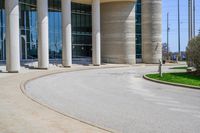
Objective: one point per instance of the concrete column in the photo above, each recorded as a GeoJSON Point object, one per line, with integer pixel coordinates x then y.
{"type": "Point", "coordinates": [96, 35]}
{"type": "Point", "coordinates": [118, 32]}
{"type": "Point", "coordinates": [66, 33]}
{"type": "Point", "coordinates": [12, 36]}
{"type": "Point", "coordinates": [43, 35]}
{"type": "Point", "coordinates": [151, 31]}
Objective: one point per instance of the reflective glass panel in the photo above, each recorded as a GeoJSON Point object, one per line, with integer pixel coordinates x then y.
{"type": "Point", "coordinates": [81, 30]}
{"type": "Point", "coordinates": [28, 29]}
{"type": "Point", "coordinates": [55, 29]}
{"type": "Point", "coordinates": [138, 30]}
{"type": "Point", "coordinates": [2, 31]}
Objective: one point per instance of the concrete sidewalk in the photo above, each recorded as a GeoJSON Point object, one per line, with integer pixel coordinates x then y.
{"type": "Point", "coordinates": [19, 114]}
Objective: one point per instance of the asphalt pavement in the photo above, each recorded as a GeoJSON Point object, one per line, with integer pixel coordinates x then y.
{"type": "Point", "coordinates": [119, 99]}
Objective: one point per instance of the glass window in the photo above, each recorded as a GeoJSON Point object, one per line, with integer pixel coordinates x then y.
{"type": "Point", "coordinates": [138, 29]}
{"type": "Point", "coordinates": [55, 29]}
{"type": "Point", "coordinates": [28, 29]}
{"type": "Point", "coordinates": [81, 30]}
{"type": "Point", "coordinates": [2, 31]}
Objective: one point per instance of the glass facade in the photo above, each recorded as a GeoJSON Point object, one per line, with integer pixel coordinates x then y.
{"type": "Point", "coordinates": [2, 31]}
{"type": "Point", "coordinates": [55, 29]}
{"type": "Point", "coordinates": [81, 30]}
{"type": "Point", "coordinates": [138, 29]}
{"type": "Point", "coordinates": [28, 29]}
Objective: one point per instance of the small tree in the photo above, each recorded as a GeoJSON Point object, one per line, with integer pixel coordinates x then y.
{"type": "Point", "coordinates": [193, 53]}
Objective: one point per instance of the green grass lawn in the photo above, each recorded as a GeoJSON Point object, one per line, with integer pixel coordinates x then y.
{"type": "Point", "coordinates": [181, 78]}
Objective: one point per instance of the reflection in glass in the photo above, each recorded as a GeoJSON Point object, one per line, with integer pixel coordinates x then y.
{"type": "Point", "coordinates": [55, 29]}
{"type": "Point", "coordinates": [138, 30]}
{"type": "Point", "coordinates": [81, 30]}
{"type": "Point", "coordinates": [28, 29]}
{"type": "Point", "coordinates": [2, 31]}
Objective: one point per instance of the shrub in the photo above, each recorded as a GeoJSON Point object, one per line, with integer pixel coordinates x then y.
{"type": "Point", "coordinates": [193, 53]}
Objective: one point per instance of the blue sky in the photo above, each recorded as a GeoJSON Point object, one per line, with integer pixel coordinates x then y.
{"type": "Point", "coordinates": [171, 7]}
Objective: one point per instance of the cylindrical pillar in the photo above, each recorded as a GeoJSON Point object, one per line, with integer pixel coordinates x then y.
{"type": "Point", "coordinates": [12, 36]}
{"type": "Point", "coordinates": [66, 34]}
{"type": "Point", "coordinates": [96, 35]}
{"type": "Point", "coordinates": [151, 31]}
{"type": "Point", "coordinates": [118, 32]}
{"type": "Point", "coordinates": [43, 35]}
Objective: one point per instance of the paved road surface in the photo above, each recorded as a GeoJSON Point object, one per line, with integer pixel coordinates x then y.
{"type": "Point", "coordinates": [121, 100]}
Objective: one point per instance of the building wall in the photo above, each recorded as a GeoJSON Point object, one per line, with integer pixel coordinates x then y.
{"type": "Point", "coordinates": [118, 32]}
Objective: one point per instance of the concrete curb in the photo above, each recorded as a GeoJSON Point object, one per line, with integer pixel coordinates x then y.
{"type": "Point", "coordinates": [170, 83]}
{"type": "Point", "coordinates": [23, 89]}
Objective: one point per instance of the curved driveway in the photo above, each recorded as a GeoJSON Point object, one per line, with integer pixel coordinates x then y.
{"type": "Point", "coordinates": [119, 99]}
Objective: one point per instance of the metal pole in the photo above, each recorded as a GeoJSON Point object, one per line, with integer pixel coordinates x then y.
{"type": "Point", "coordinates": [189, 20]}
{"type": "Point", "coordinates": [167, 33]}
{"type": "Point", "coordinates": [194, 17]}
{"type": "Point", "coordinates": [179, 34]}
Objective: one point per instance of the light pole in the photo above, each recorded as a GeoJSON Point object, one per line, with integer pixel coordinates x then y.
{"type": "Point", "coordinates": [168, 34]}
{"type": "Point", "coordinates": [189, 20]}
{"type": "Point", "coordinates": [168, 29]}
{"type": "Point", "coordinates": [194, 17]}
{"type": "Point", "coordinates": [179, 34]}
